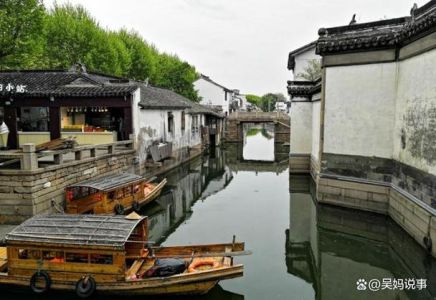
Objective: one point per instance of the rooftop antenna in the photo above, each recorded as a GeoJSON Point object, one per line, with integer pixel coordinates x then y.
{"type": "Point", "coordinates": [353, 20]}
{"type": "Point", "coordinates": [413, 9]}
{"type": "Point", "coordinates": [413, 12]}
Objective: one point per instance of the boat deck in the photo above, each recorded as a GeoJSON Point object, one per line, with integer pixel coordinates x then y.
{"type": "Point", "coordinates": [140, 266]}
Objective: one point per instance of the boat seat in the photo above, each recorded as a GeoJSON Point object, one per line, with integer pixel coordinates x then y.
{"type": "Point", "coordinates": [134, 268]}
{"type": "Point", "coordinates": [148, 263]}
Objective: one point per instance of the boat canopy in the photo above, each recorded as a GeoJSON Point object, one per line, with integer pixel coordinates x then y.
{"type": "Point", "coordinates": [78, 230]}
{"type": "Point", "coordinates": [111, 182]}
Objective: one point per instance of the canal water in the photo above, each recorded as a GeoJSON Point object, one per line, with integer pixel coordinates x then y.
{"type": "Point", "coordinates": [258, 142]}
{"type": "Point", "coordinates": [300, 250]}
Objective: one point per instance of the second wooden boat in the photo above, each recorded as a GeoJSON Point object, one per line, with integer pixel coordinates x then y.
{"type": "Point", "coordinates": [117, 194]}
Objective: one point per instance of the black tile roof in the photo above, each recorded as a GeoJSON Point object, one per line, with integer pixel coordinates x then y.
{"type": "Point", "coordinates": [207, 78]}
{"type": "Point", "coordinates": [157, 98]}
{"type": "Point", "coordinates": [60, 83]}
{"type": "Point", "coordinates": [357, 37]}
{"type": "Point", "coordinates": [79, 230]}
{"type": "Point", "coordinates": [63, 83]}
{"type": "Point", "coordinates": [111, 182]}
{"type": "Point", "coordinates": [201, 109]}
{"type": "Point", "coordinates": [384, 34]}
{"type": "Point", "coordinates": [304, 88]}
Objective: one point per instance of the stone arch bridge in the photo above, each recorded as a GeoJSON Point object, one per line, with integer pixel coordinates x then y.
{"type": "Point", "coordinates": [282, 125]}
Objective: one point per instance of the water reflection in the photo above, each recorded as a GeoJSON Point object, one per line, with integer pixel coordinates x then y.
{"type": "Point", "coordinates": [194, 181]}
{"type": "Point", "coordinates": [331, 248]}
{"type": "Point", "coordinates": [258, 141]}
{"type": "Point", "coordinates": [300, 250]}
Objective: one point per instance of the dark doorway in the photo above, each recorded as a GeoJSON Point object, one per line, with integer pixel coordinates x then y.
{"type": "Point", "coordinates": [212, 140]}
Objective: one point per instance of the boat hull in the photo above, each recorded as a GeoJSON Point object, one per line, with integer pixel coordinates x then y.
{"type": "Point", "coordinates": [183, 284]}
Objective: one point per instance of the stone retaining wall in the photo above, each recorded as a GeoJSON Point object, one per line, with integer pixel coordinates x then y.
{"type": "Point", "coordinates": [416, 218]}
{"type": "Point", "coordinates": [26, 193]}
{"type": "Point", "coordinates": [299, 163]}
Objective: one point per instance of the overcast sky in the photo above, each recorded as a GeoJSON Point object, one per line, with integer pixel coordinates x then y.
{"type": "Point", "coordinates": [242, 44]}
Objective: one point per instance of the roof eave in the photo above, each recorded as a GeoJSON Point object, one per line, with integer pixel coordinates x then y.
{"type": "Point", "coordinates": [178, 107]}
{"type": "Point", "coordinates": [67, 95]}
{"type": "Point", "coordinates": [66, 246]}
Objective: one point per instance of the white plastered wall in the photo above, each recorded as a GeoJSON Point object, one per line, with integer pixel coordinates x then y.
{"type": "Point", "coordinates": [316, 114]}
{"type": "Point", "coordinates": [151, 125]}
{"type": "Point", "coordinates": [301, 126]}
{"type": "Point", "coordinates": [302, 60]}
{"type": "Point", "coordinates": [416, 113]}
{"type": "Point", "coordinates": [212, 94]}
{"type": "Point", "coordinates": [195, 137]}
{"type": "Point", "coordinates": [360, 109]}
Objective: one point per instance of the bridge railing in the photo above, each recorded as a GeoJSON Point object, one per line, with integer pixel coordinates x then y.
{"type": "Point", "coordinates": [258, 115]}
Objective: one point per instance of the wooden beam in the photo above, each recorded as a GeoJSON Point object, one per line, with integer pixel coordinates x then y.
{"type": "Point", "coordinates": [55, 122]}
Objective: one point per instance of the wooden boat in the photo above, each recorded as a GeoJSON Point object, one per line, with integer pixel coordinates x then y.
{"type": "Point", "coordinates": [111, 194]}
{"type": "Point", "coordinates": [106, 254]}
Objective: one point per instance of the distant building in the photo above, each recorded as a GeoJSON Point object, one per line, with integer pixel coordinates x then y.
{"type": "Point", "coordinates": [366, 130]}
{"type": "Point", "coordinates": [214, 94]}
{"type": "Point", "coordinates": [252, 107]}
{"type": "Point", "coordinates": [239, 102]}
{"type": "Point", "coordinates": [39, 106]}
{"type": "Point", "coordinates": [281, 106]}
{"type": "Point", "coordinates": [304, 109]}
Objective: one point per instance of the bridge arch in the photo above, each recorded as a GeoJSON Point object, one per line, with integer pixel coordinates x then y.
{"type": "Point", "coordinates": [282, 128]}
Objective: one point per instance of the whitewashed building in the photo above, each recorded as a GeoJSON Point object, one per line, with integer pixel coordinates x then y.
{"type": "Point", "coordinates": [281, 106]}
{"type": "Point", "coordinates": [160, 117]}
{"type": "Point", "coordinates": [300, 58]}
{"type": "Point", "coordinates": [305, 98]}
{"type": "Point", "coordinates": [372, 142]}
{"type": "Point", "coordinates": [163, 116]}
{"type": "Point", "coordinates": [239, 102]}
{"type": "Point", "coordinates": [214, 94]}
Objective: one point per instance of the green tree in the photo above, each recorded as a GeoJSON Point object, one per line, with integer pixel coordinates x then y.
{"type": "Point", "coordinates": [143, 56]}
{"type": "Point", "coordinates": [312, 71]}
{"type": "Point", "coordinates": [268, 101]}
{"type": "Point", "coordinates": [176, 75]}
{"type": "Point", "coordinates": [253, 99]}
{"type": "Point", "coordinates": [252, 131]}
{"type": "Point", "coordinates": [68, 34]}
{"type": "Point", "coordinates": [110, 55]}
{"type": "Point", "coordinates": [21, 25]}
{"type": "Point", "coordinates": [72, 36]}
